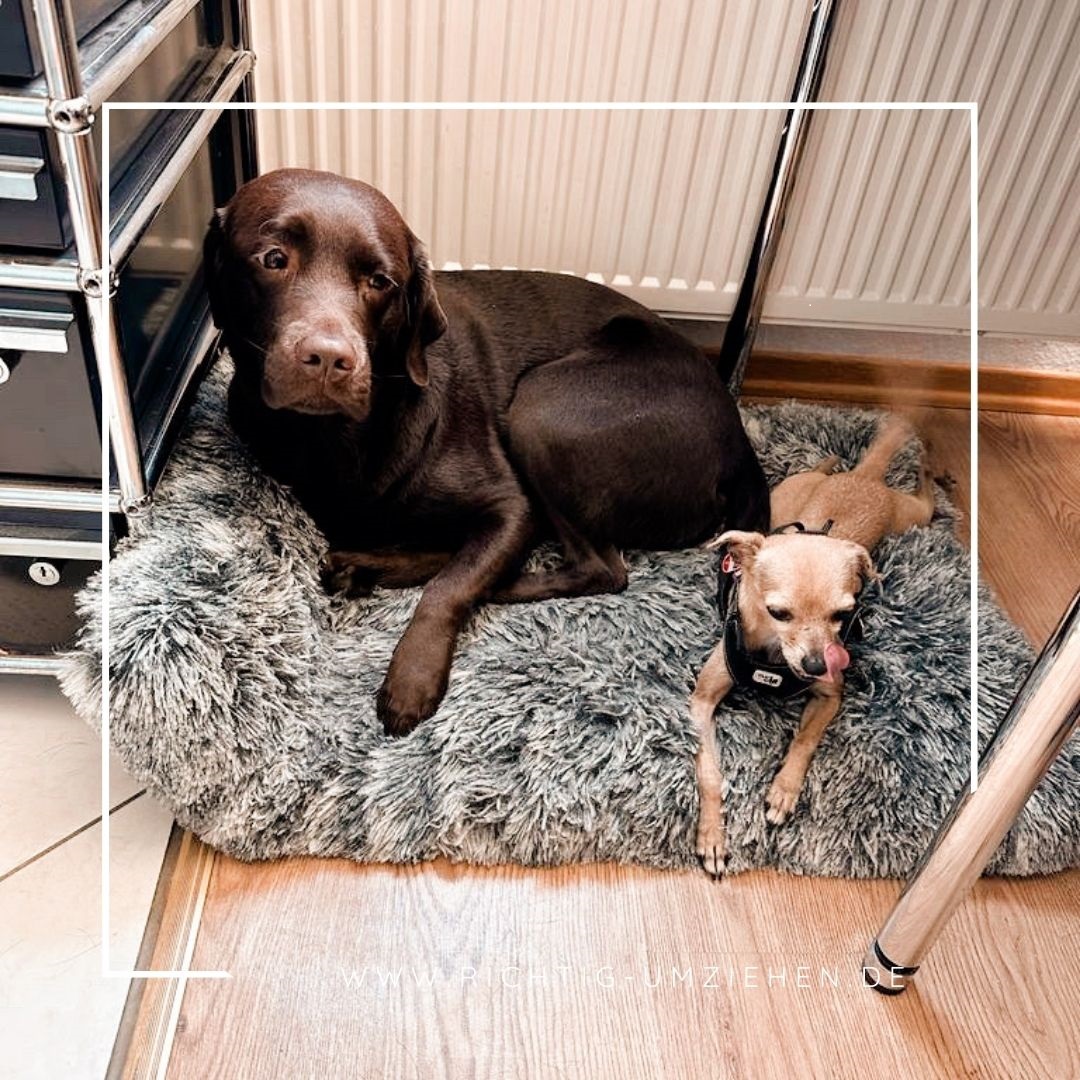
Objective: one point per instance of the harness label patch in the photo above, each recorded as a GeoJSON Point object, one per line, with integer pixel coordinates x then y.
{"type": "Point", "coordinates": [767, 678]}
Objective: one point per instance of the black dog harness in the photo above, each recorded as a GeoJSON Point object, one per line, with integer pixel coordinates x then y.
{"type": "Point", "coordinates": [753, 668]}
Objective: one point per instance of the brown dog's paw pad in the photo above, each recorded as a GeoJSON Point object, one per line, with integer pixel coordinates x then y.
{"type": "Point", "coordinates": [712, 850]}
{"type": "Point", "coordinates": [780, 801]}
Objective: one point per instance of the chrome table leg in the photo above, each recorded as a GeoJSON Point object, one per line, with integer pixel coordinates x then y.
{"type": "Point", "coordinates": [1040, 719]}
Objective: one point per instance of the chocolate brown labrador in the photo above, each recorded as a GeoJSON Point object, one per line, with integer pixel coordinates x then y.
{"type": "Point", "coordinates": [436, 426]}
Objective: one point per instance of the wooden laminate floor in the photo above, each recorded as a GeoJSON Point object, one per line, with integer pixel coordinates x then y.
{"type": "Point", "coordinates": [341, 970]}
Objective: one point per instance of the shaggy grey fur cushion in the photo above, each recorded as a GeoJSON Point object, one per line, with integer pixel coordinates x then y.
{"type": "Point", "coordinates": [243, 696]}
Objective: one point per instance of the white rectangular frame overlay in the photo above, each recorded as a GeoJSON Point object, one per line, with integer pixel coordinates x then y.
{"type": "Point", "coordinates": [108, 389]}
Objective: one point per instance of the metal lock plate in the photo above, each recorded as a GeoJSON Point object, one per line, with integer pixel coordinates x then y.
{"type": "Point", "coordinates": [44, 573]}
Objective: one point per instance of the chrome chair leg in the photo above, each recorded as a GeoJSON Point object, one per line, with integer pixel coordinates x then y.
{"type": "Point", "coordinates": [1042, 716]}
{"type": "Point", "coordinates": [743, 324]}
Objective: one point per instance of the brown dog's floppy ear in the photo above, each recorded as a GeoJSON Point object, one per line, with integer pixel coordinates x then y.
{"type": "Point", "coordinates": [742, 546]}
{"type": "Point", "coordinates": [213, 265]}
{"type": "Point", "coordinates": [427, 318]}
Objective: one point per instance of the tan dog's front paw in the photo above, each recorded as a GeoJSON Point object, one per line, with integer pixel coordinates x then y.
{"type": "Point", "coordinates": [712, 849]}
{"type": "Point", "coordinates": [781, 799]}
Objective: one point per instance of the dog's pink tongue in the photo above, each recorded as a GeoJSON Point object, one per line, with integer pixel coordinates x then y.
{"type": "Point", "coordinates": [836, 659]}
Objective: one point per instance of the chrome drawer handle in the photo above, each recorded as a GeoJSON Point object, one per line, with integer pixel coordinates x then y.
{"type": "Point", "coordinates": [34, 331]}
{"type": "Point", "coordinates": [33, 339]}
{"type": "Point", "coordinates": [18, 177]}
{"type": "Point", "coordinates": [34, 547]}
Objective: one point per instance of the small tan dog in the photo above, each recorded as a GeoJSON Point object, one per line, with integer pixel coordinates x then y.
{"type": "Point", "coordinates": [790, 600]}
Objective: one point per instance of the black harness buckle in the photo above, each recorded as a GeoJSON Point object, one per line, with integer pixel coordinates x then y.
{"type": "Point", "coordinates": [799, 527]}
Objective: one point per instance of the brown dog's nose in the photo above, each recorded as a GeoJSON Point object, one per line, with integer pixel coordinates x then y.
{"type": "Point", "coordinates": [327, 352]}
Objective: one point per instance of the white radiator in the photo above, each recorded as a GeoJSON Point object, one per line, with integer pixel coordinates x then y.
{"type": "Point", "coordinates": [879, 225]}
{"type": "Point", "coordinates": [663, 206]}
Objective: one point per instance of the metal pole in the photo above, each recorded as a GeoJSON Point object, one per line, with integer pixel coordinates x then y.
{"type": "Point", "coordinates": [71, 116]}
{"type": "Point", "coordinates": [50, 495]}
{"type": "Point", "coordinates": [743, 324]}
{"type": "Point", "coordinates": [1042, 716]}
{"type": "Point", "coordinates": [13, 664]}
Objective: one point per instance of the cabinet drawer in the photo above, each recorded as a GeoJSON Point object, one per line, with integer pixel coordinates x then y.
{"type": "Point", "coordinates": [33, 206]}
{"type": "Point", "coordinates": [49, 394]}
{"type": "Point", "coordinates": [42, 567]}
{"type": "Point", "coordinates": [33, 201]}
{"type": "Point", "coordinates": [20, 53]}
{"type": "Point", "coordinates": [37, 602]}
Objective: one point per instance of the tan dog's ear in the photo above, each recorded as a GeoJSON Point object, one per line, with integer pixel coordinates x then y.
{"type": "Point", "coordinates": [863, 564]}
{"type": "Point", "coordinates": [742, 546]}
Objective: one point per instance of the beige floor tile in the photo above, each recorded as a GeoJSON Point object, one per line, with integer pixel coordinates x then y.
{"type": "Point", "coordinates": [50, 773]}
{"type": "Point", "coordinates": [58, 1014]}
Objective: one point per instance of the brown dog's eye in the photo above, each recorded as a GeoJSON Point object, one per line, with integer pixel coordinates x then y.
{"type": "Point", "coordinates": [779, 614]}
{"type": "Point", "coordinates": [380, 282]}
{"type": "Point", "coordinates": [274, 259]}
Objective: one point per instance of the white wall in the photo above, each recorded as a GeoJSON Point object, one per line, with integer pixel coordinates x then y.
{"type": "Point", "coordinates": [664, 205]}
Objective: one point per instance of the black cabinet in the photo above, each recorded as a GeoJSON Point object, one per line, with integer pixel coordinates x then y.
{"type": "Point", "coordinates": [37, 599]}
{"type": "Point", "coordinates": [33, 206]}
{"type": "Point", "coordinates": [50, 401]}
{"type": "Point", "coordinates": [33, 202]}
{"type": "Point", "coordinates": [168, 168]}
{"type": "Point", "coordinates": [20, 50]}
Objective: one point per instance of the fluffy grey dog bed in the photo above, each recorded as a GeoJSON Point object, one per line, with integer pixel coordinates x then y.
{"type": "Point", "coordinates": [243, 695]}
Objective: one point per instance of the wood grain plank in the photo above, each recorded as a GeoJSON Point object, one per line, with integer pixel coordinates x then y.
{"type": "Point", "coordinates": [1029, 515]}
{"type": "Point", "coordinates": [612, 971]}
{"type": "Point", "coordinates": [1048, 393]}
{"type": "Point", "coordinates": [143, 1037]}
{"type": "Point", "coordinates": [363, 971]}
{"type": "Point", "coordinates": [858, 379]}
{"type": "Point", "coordinates": [905, 383]}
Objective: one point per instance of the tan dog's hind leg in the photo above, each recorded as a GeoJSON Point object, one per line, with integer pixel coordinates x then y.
{"type": "Point", "coordinates": [784, 791]}
{"type": "Point", "coordinates": [713, 684]}
{"type": "Point", "coordinates": [917, 509]}
{"type": "Point", "coordinates": [789, 498]}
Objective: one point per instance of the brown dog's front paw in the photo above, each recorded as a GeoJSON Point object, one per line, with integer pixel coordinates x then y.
{"type": "Point", "coordinates": [404, 700]}
{"type": "Point", "coordinates": [781, 800]}
{"type": "Point", "coordinates": [342, 573]}
{"type": "Point", "coordinates": [712, 849]}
